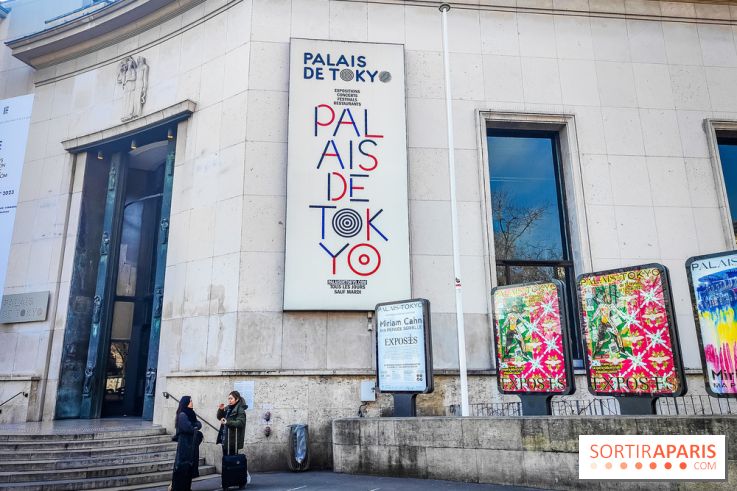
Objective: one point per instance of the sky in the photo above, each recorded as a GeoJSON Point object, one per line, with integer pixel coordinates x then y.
{"type": "Point", "coordinates": [524, 169]}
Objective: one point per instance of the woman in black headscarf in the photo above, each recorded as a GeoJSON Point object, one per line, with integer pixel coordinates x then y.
{"type": "Point", "coordinates": [188, 440]}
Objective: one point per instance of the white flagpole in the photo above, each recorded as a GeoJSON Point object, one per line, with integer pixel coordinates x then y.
{"type": "Point", "coordinates": [444, 8]}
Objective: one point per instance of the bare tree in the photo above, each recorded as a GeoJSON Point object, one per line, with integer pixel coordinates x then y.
{"type": "Point", "coordinates": [510, 225]}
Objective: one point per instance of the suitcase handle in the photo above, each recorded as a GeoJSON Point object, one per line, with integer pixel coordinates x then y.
{"type": "Point", "coordinates": [227, 431]}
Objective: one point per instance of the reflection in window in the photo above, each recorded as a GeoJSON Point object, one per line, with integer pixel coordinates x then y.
{"type": "Point", "coordinates": [528, 213]}
{"type": "Point", "coordinates": [130, 238]}
{"type": "Point", "coordinates": [728, 156]}
{"type": "Point", "coordinates": [524, 197]}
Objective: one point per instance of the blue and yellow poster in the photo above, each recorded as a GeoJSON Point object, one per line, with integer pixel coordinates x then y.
{"type": "Point", "coordinates": [713, 284]}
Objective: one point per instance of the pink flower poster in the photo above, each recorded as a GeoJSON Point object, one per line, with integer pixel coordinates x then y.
{"type": "Point", "coordinates": [631, 344]}
{"type": "Point", "coordinates": [530, 339]}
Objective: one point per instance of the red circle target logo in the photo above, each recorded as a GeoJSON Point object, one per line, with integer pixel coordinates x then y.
{"type": "Point", "coordinates": [366, 260]}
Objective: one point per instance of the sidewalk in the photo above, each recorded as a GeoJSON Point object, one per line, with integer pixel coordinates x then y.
{"type": "Point", "coordinates": [330, 481]}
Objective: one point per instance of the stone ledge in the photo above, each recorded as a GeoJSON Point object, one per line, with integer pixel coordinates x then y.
{"type": "Point", "coordinates": [174, 113]}
{"type": "Point", "coordinates": [275, 373]}
{"type": "Point", "coordinates": [19, 378]}
{"type": "Point", "coordinates": [531, 451]}
{"type": "Point", "coordinates": [96, 29]}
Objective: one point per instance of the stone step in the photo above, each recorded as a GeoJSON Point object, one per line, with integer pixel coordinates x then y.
{"type": "Point", "coordinates": [88, 473]}
{"type": "Point", "coordinates": [37, 464]}
{"type": "Point", "coordinates": [136, 481]}
{"type": "Point", "coordinates": [74, 453]}
{"type": "Point", "coordinates": [212, 482]}
{"type": "Point", "coordinates": [94, 435]}
{"type": "Point", "coordinates": [77, 444]}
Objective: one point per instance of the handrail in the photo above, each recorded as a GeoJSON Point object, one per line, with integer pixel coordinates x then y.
{"type": "Point", "coordinates": [25, 394]}
{"type": "Point", "coordinates": [168, 395]}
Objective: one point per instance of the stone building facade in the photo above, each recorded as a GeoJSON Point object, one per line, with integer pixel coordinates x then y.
{"type": "Point", "coordinates": [637, 91]}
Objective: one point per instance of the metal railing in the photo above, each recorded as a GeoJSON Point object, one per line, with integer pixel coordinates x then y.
{"type": "Point", "coordinates": [25, 394]}
{"type": "Point", "coordinates": [168, 395]}
{"type": "Point", "coordinates": [690, 405]}
{"type": "Point", "coordinates": [696, 405]}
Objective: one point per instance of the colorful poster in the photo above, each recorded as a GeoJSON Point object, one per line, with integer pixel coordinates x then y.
{"type": "Point", "coordinates": [531, 339]}
{"type": "Point", "coordinates": [630, 337]}
{"type": "Point", "coordinates": [403, 347]}
{"type": "Point", "coordinates": [347, 232]}
{"type": "Point", "coordinates": [713, 284]}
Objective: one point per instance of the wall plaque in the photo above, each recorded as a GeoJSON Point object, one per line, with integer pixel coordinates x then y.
{"type": "Point", "coordinates": [247, 389]}
{"type": "Point", "coordinates": [24, 307]}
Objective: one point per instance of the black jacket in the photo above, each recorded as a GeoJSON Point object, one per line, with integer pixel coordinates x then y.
{"type": "Point", "coordinates": [188, 441]}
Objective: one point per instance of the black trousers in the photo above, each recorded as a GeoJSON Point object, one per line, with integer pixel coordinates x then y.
{"type": "Point", "coordinates": [182, 478]}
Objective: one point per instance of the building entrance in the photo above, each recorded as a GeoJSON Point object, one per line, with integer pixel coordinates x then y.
{"type": "Point", "coordinates": [111, 340]}
{"type": "Point", "coordinates": [132, 301]}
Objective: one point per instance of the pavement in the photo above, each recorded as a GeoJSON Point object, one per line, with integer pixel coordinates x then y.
{"type": "Point", "coordinates": [330, 481]}
{"type": "Point", "coordinates": [262, 481]}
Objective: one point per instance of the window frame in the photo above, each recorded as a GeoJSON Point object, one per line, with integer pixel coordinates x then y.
{"type": "Point", "coordinates": [560, 189]}
{"type": "Point", "coordinates": [718, 129]}
{"type": "Point", "coordinates": [571, 193]}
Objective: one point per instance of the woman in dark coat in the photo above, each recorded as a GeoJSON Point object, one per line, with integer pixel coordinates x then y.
{"type": "Point", "coordinates": [188, 440]}
{"type": "Point", "coordinates": [232, 423]}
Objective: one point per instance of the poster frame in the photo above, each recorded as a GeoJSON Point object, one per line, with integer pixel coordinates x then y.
{"type": "Point", "coordinates": [429, 382]}
{"type": "Point", "coordinates": [695, 313]}
{"type": "Point", "coordinates": [672, 329]}
{"type": "Point", "coordinates": [565, 334]}
{"type": "Point", "coordinates": [324, 305]}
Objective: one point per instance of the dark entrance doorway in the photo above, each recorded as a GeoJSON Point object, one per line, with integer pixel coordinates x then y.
{"type": "Point", "coordinates": [111, 341]}
{"type": "Point", "coordinates": [132, 302]}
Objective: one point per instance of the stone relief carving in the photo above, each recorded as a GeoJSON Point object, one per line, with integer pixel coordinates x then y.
{"type": "Point", "coordinates": [133, 77]}
{"type": "Point", "coordinates": [89, 372]}
{"type": "Point", "coordinates": [150, 382]}
{"type": "Point", "coordinates": [105, 246]}
{"type": "Point", "coordinates": [97, 310]}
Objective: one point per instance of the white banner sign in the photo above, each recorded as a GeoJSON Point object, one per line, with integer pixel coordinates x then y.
{"type": "Point", "coordinates": [401, 346]}
{"type": "Point", "coordinates": [347, 237]}
{"type": "Point", "coordinates": [15, 119]}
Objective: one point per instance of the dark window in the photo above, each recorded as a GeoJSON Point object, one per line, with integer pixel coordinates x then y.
{"type": "Point", "coordinates": [528, 213]}
{"type": "Point", "coordinates": [728, 156]}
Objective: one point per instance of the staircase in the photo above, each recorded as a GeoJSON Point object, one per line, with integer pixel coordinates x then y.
{"type": "Point", "coordinates": [136, 458]}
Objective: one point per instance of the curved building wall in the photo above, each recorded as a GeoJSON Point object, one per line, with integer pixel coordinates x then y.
{"type": "Point", "coordinates": [638, 80]}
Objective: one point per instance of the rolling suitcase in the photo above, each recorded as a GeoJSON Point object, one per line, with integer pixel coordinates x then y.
{"type": "Point", "coordinates": [235, 467]}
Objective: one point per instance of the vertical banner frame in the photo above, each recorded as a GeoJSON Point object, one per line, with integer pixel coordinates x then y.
{"type": "Point", "coordinates": [347, 217]}
{"type": "Point", "coordinates": [697, 317]}
{"type": "Point", "coordinates": [564, 333]}
{"type": "Point", "coordinates": [672, 330]}
{"type": "Point", "coordinates": [15, 124]}
{"type": "Point", "coordinates": [429, 381]}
